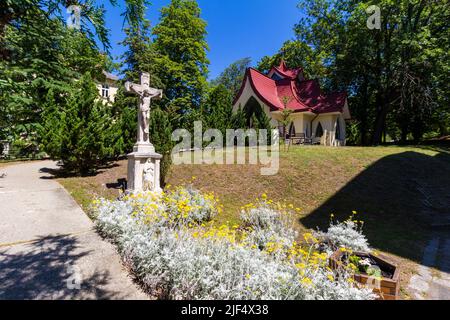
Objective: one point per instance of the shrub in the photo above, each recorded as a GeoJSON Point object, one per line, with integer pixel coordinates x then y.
{"type": "Point", "coordinates": [80, 129]}
{"type": "Point", "coordinates": [268, 224]}
{"type": "Point", "coordinates": [347, 234]}
{"type": "Point", "coordinates": [188, 258]}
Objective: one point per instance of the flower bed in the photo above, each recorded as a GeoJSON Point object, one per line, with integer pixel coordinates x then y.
{"type": "Point", "coordinates": [172, 246]}
{"type": "Point", "coordinates": [370, 270]}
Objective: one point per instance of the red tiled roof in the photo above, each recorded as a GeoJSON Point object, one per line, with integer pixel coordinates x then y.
{"type": "Point", "coordinates": [301, 96]}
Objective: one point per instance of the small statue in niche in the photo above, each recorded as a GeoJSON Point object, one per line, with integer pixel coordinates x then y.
{"type": "Point", "coordinates": [148, 176]}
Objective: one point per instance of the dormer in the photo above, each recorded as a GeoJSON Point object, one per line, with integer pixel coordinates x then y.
{"type": "Point", "coordinates": [283, 72]}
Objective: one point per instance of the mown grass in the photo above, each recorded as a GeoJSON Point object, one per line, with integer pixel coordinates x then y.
{"type": "Point", "coordinates": [380, 183]}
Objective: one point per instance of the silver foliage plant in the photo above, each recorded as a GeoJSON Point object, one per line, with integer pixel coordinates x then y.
{"type": "Point", "coordinates": [268, 225]}
{"type": "Point", "coordinates": [172, 264]}
{"type": "Point", "coordinates": [345, 234]}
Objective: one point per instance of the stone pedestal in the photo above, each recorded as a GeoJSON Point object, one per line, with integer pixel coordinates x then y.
{"type": "Point", "coordinates": [144, 169]}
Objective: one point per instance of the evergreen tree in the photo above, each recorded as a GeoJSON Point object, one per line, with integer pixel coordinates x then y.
{"type": "Point", "coordinates": [161, 137]}
{"type": "Point", "coordinates": [218, 109]}
{"type": "Point", "coordinates": [80, 130]}
{"type": "Point", "coordinates": [238, 119]}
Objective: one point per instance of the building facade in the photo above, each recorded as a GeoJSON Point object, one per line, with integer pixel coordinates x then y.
{"type": "Point", "coordinates": [107, 89]}
{"type": "Point", "coordinates": [321, 117]}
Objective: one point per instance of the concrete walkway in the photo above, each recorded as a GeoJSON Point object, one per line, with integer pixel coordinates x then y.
{"type": "Point", "coordinates": [48, 248]}
{"type": "Point", "coordinates": [432, 281]}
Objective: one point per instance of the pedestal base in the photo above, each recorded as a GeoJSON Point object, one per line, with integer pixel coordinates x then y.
{"type": "Point", "coordinates": [143, 171]}
{"type": "Point", "coordinates": [144, 147]}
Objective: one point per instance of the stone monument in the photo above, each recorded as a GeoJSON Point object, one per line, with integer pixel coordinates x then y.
{"type": "Point", "coordinates": [144, 162]}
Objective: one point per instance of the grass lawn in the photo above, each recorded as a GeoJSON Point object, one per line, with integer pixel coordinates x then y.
{"type": "Point", "coordinates": [380, 183]}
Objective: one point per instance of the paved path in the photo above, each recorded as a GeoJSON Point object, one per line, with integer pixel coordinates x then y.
{"type": "Point", "coordinates": [48, 248]}
{"type": "Point", "coordinates": [432, 281]}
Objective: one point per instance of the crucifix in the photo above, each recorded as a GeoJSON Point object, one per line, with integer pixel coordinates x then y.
{"type": "Point", "coordinates": [143, 162]}
{"type": "Point", "coordinates": [146, 94]}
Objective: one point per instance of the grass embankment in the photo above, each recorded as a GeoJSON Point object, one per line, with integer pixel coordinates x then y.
{"type": "Point", "coordinates": [381, 184]}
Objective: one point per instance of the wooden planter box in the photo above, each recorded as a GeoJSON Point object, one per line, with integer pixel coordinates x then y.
{"type": "Point", "coordinates": [388, 287]}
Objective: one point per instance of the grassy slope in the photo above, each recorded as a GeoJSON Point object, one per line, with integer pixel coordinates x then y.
{"type": "Point", "coordinates": [380, 183]}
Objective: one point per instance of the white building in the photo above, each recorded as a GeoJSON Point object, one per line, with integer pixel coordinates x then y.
{"type": "Point", "coordinates": [317, 116]}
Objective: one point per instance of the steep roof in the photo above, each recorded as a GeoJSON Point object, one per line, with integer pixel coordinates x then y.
{"type": "Point", "coordinates": [285, 72]}
{"type": "Point", "coordinates": [297, 95]}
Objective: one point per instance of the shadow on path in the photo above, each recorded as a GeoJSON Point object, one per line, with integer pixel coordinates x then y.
{"type": "Point", "coordinates": [43, 269]}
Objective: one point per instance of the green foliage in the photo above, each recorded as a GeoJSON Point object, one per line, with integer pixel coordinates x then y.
{"type": "Point", "coordinates": [286, 119]}
{"type": "Point", "coordinates": [233, 75]}
{"type": "Point", "coordinates": [218, 109]}
{"type": "Point", "coordinates": [161, 137]}
{"type": "Point", "coordinates": [238, 119]}
{"type": "Point", "coordinates": [79, 128]}
{"type": "Point", "coordinates": [125, 107]}
{"type": "Point", "coordinates": [180, 61]}
{"type": "Point", "coordinates": [42, 56]}
{"type": "Point", "coordinates": [395, 76]}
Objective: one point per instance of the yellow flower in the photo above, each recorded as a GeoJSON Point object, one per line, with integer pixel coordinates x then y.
{"type": "Point", "coordinates": [330, 277]}
{"type": "Point", "coordinates": [247, 276]}
{"type": "Point", "coordinates": [307, 281]}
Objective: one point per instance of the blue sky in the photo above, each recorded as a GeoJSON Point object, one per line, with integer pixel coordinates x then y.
{"type": "Point", "coordinates": [236, 28]}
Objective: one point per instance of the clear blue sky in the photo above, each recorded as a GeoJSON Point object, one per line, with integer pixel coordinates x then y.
{"type": "Point", "coordinates": [236, 28]}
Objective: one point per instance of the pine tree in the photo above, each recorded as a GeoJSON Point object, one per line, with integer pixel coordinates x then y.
{"type": "Point", "coordinates": [160, 135]}
{"type": "Point", "coordinates": [81, 132]}
{"type": "Point", "coordinates": [218, 109]}
{"type": "Point", "coordinates": [238, 119]}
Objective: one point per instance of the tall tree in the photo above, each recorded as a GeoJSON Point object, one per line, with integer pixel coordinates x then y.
{"type": "Point", "coordinates": [181, 62]}
{"type": "Point", "coordinates": [218, 109]}
{"type": "Point", "coordinates": [233, 75]}
{"type": "Point", "coordinates": [393, 74]}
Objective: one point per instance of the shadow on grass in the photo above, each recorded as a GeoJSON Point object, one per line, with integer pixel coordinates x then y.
{"type": "Point", "coordinates": [41, 270]}
{"type": "Point", "coordinates": [62, 173]}
{"type": "Point", "coordinates": [390, 197]}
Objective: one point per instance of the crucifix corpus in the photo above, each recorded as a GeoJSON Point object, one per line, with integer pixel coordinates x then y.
{"type": "Point", "coordinates": [143, 162]}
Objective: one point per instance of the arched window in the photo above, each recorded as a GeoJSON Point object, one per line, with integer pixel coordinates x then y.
{"type": "Point", "coordinates": [292, 130]}
{"type": "Point", "coordinates": [319, 130]}
{"type": "Point", "coordinates": [338, 130]}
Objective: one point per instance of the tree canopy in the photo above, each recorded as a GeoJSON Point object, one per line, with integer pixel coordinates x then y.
{"type": "Point", "coordinates": [394, 75]}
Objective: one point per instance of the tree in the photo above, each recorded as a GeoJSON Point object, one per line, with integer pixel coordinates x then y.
{"type": "Point", "coordinates": [238, 120]}
{"type": "Point", "coordinates": [286, 120]}
{"type": "Point", "coordinates": [79, 129]}
{"type": "Point", "coordinates": [40, 55]}
{"type": "Point", "coordinates": [43, 55]}
{"type": "Point", "coordinates": [233, 75]}
{"type": "Point", "coordinates": [218, 109]}
{"type": "Point", "coordinates": [394, 75]}
{"type": "Point", "coordinates": [180, 60]}
{"type": "Point", "coordinates": [161, 137]}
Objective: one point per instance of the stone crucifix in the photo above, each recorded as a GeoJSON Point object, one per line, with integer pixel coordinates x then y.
{"type": "Point", "coordinates": [143, 162]}
{"type": "Point", "coordinates": [146, 94]}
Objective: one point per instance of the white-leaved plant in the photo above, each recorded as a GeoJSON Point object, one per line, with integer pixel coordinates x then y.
{"type": "Point", "coordinates": [346, 234]}
{"type": "Point", "coordinates": [172, 263]}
